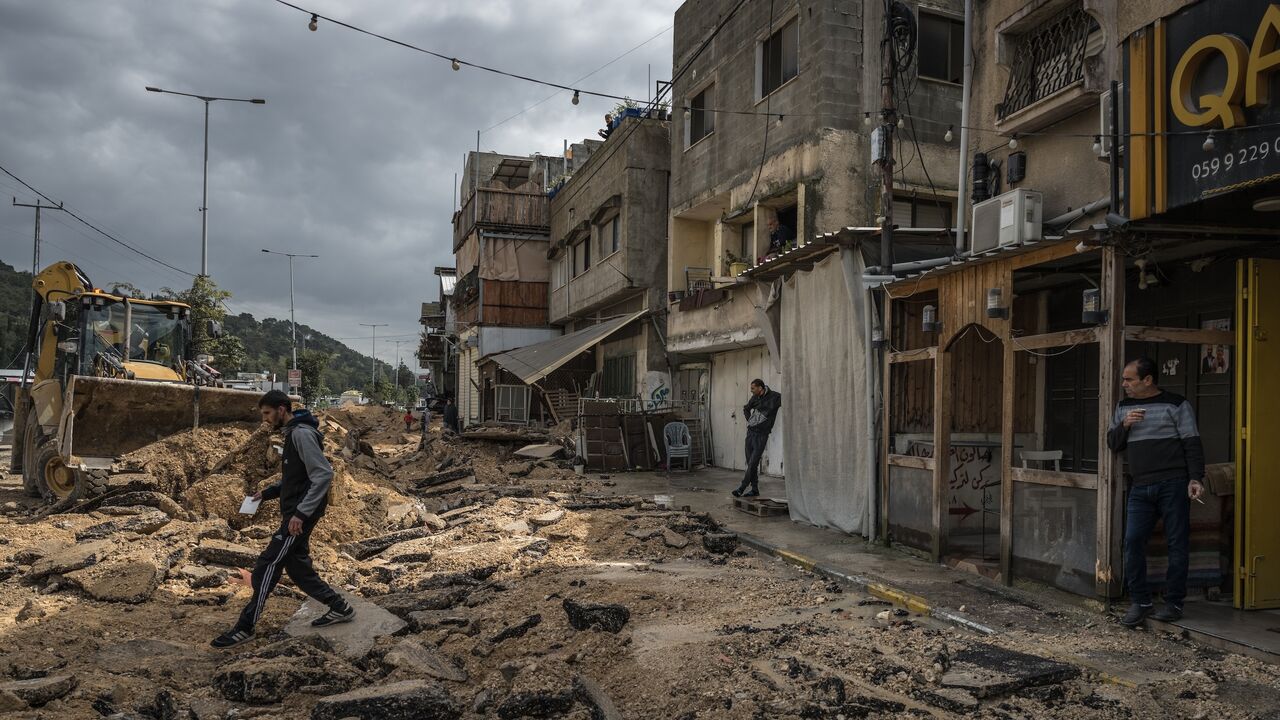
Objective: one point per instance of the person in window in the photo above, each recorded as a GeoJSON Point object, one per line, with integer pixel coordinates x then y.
{"type": "Point", "coordinates": [781, 237]}
{"type": "Point", "coordinates": [608, 126]}
{"type": "Point", "coordinates": [760, 411]}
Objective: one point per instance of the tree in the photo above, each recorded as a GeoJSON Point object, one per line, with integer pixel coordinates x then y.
{"type": "Point", "coordinates": [313, 363]}
{"type": "Point", "coordinates": [381, 392]}
{"type": "Point", "coordinates": [406, 375]}
{"type": "Point", "coordinates": [205, 298]}
{"type": "Point", "coordinates": [126, 289]}
{"type": "Point", "coordinates": [229, 354]}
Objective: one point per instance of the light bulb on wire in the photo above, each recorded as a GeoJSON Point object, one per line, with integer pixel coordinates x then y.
{"type": "Point", "coordinates": [866, 118]}
{"type": "Point", "coordinates": [456, 65]}
{"type": "Point", "coordinates": [315, 22]}
{"type": "Point", "coordinates": [949, 136]}
{"type": "Point", "coordinates": [901, 123]}
{"type": "Point", "coordinates": [1209, 144]}
{"type": "Point", "coordinates": [1097, 144]}
{"type": "Point", "coordinates": [575, 99]}
{"type": "Point", "coordinates": [1013, 143]}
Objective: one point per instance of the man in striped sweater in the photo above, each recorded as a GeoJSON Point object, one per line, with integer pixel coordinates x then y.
{"type": "Point", "coordinates": [1157, 432]}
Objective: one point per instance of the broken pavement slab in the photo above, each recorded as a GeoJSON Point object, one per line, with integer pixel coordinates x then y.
{"type": "Point", "coordinates": [551, 517]}
{"type": "Point", "coordinates": [539, 451]}
{"type": "Point", "coordinates": [988, 670]}
{"type": "Point", "coordinates": [127, 577]}
{"type": "Point", "coordinates": [582, 616]}
{"type": "Point", "coordinates": [368, 547]}
{"type": "Point", "coordinates": [144, 522]}
{"type": "Point", "coordinates": [221, 552]}
{"type": "Point", "coordinates": [413, 657]}
{"type": "Point", "coordinates": [405, 700]}
{"type": "Point", "coordinates": [352, 639]}
{"type": "Point", "coordinates": [673, 539]}
{"type": "Point", "coordinates": [74, 557]}
{"type": "Point", "coordinates": [39, 691]}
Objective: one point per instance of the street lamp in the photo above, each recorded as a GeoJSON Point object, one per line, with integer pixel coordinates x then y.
{"type": "Point", "coordinates": [293, 324]}
{"type": "Point", "coordinates": [204, 196]}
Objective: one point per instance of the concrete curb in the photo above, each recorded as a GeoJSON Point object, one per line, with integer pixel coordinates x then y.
{"type": "Point", "coordinates": [868, 585]}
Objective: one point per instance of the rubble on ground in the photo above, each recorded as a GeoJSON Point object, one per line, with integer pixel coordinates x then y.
{"type": "Point", "coordinates": [486, 584]}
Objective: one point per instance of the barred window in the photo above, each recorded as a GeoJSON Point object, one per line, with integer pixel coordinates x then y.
{"type": "Point", "coordinates": [1047, 60]}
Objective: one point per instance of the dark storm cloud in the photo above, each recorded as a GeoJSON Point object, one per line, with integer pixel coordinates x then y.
{"type": "Point", "coordinates": [352, 158]}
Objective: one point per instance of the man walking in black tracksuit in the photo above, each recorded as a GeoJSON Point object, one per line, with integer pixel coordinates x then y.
{"type": "Point", "coordinates": [760, 411]}
{"type": "Point", "coordinates": [304, 494]}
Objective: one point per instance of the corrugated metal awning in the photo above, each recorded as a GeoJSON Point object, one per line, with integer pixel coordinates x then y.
{"type": "Point", "coordinates": [534, 362]}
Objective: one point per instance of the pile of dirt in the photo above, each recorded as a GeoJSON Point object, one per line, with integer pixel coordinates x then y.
{"type": "Point", "coordinates": [178, 461]}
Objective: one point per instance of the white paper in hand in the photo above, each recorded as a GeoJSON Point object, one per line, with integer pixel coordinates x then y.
{"type": "Point", "coordinates": [249, 506]}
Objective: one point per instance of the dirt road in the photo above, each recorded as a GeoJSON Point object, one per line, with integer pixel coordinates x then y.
{"type": "Point", "coordinates": [493, 587]}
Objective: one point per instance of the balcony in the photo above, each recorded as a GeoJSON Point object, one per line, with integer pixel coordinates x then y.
{"type": "Point", "coordinates": [501, 209]}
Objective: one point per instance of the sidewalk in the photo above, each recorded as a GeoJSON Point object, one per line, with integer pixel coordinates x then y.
{"type": "Point", "coordinates": [962, 599]}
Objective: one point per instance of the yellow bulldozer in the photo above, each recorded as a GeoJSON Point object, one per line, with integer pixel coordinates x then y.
{"type": "Point", "coordinates": [108, 375]}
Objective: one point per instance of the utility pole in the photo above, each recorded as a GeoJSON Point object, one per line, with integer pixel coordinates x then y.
{"type": "Point", "coordinates": [888, 123]}
{"type": "Point", "coordinates": [293, 323]}
{"type": "Point", "coordinates": [398, 343]}
{"type": "Point", "coordinates": [375, 327]}
{"type": "Point", "coordinates": [35, 267]}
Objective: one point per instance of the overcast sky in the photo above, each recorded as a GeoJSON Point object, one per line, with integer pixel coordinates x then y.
{"type": "Point", "coordinates": [352, 158]}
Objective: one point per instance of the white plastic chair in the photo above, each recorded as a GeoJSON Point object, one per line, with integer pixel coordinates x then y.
{"type": "Point", "coordinates": [678, 442]}
{"type": "Point", "coordinates": [1042, 456]}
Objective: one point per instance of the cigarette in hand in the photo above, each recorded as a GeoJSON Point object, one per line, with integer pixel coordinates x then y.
{"type": "Point", "coordinates": [1197, 499]}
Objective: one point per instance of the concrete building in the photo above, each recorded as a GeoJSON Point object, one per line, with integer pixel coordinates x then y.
{"type": "Point", "coordinates": [500, 236]}
{"type": "Point", "coordinates": [773, 122]}
{"type": "Point", "coordinates": [995, 456]}
{"type": "Point", "coordinates": [608, 256]}
{"type": "Point", "coordinates": [438, 345]}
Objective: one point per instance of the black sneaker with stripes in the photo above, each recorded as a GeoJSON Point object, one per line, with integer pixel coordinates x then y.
{"type": "Point", "coordinates": [335, 616]}
{"type": "Point", "coordinates": [232, 638]}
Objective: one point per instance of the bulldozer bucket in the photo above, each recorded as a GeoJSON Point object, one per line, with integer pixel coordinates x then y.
{"type": "Point", "coordinates": [108, 417]}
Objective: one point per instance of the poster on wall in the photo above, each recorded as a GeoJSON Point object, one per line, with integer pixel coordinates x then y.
{"type": "Point", "coordinates": [1215, 359]}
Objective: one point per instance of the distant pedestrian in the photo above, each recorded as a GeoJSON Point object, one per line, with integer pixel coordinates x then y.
{"type": "Point", "coordinates": [303, 491]}
{"type": "Point", "coordinates": [451, 416]}
{"type": "Point", "coordinates": [1156, 429]}
{"type": "Point", "coordinates": [760, 411]}
{"type": "Point", "coordinates": [408, 420]}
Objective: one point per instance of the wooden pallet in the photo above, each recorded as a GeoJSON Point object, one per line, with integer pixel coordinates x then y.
{"type": "Point", "coordinates": [760, 507]}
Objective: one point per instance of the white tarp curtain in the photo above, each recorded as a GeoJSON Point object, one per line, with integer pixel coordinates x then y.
{"type": "Point", "coordinates": [828, 440]}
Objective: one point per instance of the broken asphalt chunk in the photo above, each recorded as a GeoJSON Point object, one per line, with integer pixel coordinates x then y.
{"type": "Point", "coordinates": [405, 700]}
{"type": "Point", "coordinates": [987, 671]}
{"type": "Point", "coordinates": [582, 616]}
{"type": "Point", "coordinates": [720, 543]}
{"type": "Point", "coordinates": [517, 630]}
{"type": "Point", "coordinates": [221, 552]}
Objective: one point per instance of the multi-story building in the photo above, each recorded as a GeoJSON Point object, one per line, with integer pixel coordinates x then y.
{"type": "Point", "coordinates": [1094, 243]}
{"type": "Point", "coordinates": [500, 237]}
{"type": "Point", "coordinates": [437, 349]}
{"type": "Point", "coordinates": [608, 256]}
{"type": "Point", "coordinates": [773, 123]}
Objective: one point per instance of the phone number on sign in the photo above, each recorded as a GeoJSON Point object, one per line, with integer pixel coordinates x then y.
{"type": "Point", "coordinates": [1236, 158]}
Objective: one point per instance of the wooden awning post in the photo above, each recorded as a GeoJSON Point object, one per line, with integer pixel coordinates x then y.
{"type": "Point", "coordinates": [1107, 578]}
{"type": "Point", "coordinates": [941, 448]}
{"type": "Point", "coordinates": [886, 391]}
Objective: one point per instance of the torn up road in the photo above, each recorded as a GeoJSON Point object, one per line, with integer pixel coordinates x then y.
{"type": "Point", "coordinates": [488, 586]}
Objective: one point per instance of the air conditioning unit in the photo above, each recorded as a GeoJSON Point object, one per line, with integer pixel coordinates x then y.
{"type": "Point", "coordinates": [1013, 218]}
{"type": "Point", "coordinates": [1104, 123]}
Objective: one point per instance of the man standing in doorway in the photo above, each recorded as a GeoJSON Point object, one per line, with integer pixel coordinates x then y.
{"type": "Point", "coordinates": [760, 411]}
{"type": "Point", "coordinates": [304, 494]}
{"type": "Point", "coordinates": [781, 237]}
{"type": "Point", "coordinates": [451, 416]}
{"type": "Point", "coordinates": [1157, 432]}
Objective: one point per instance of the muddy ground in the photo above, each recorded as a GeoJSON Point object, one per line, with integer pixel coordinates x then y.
{"type": "Point", "coordinates": [490, 586]}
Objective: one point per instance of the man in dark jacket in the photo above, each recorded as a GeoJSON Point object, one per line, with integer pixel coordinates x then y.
{"type": "Point", "coordinates": [303, 491]}
{"type": "Point", "coordinates": [1157, 432]}
{"type": "Point", "coordinates": [451, 416]}
{"type": "Point", "coordinates": [760, 411]}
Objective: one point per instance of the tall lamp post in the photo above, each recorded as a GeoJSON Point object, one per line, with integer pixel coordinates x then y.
{"type": "Point", "coordinates": [375, 326]}
{"type": "Point", "coordinates": [204, 195]}
{"type": "Point", "coordinates": [293, 324]}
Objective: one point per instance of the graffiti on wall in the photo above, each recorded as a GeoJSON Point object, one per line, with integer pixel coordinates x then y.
{"type": "Point", "coordinates": [974, 479]}
{"type": "Point", "coordinates": [656, 390]}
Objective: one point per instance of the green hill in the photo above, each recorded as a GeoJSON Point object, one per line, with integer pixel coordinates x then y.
{"type": "Point", "coordinates": [266, 343]}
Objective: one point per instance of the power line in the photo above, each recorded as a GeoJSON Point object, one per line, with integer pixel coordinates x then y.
{"type": "Point", "coordinates": [584, 77]}
{"type": "Point", "coordinates": [456, 62]}
{"type": "Point", "coordinates": [95, 228]}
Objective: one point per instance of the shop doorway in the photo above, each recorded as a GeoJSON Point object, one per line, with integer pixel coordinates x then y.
{"type": "Point", "coordinates": [973, 474]}
{"type": "Point", "coordinates": [1257, 541]}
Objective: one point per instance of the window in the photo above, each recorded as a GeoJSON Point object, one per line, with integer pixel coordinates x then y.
{"type": "Point", "coordinates": [747, 244]}
{"type": "Point", "coordinates": [1048, 59]}
{"type": "Point", "coordinates": [559, 271]}
{"type": "Point", "coordinates": [614, 230]}
{"type": "Point", "coordinates": [780, 57]}
{"type": "Point", "coordinates": [512, 403]}
{"type": "Point", "coordinates": [922, 212]}
{"type": "Point", "coordinates": [619, 376]}
{"type": "Point", "coordinates": [941, 48]}
{"type": "Point", "coordinates": [581, 257]}
{"type": "Point", "coordinates": [701, 122]}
